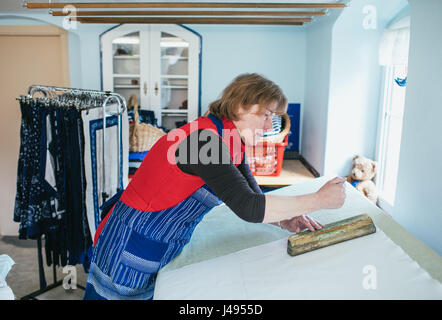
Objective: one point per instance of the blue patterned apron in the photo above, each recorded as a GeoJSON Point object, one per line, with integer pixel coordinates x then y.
{"type": "Point", "coordinates": [134, 244]}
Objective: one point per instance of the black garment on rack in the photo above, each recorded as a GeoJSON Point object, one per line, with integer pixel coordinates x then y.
{"type": "Point", "coordinates": [33, 198]}
{"type": "Point", "coordinates": [52, 145]}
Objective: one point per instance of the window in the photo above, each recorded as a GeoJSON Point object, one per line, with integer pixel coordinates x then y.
{"type": "Point", "coordinates": [391, 132]}
{"type": "Point", "coordinates": [393, 56]}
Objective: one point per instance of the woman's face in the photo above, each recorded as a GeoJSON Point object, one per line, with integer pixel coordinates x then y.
{"type": "Point", "coordinates": [253, 123]}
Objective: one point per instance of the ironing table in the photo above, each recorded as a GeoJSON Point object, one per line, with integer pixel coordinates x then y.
{"type": "Point", "coordinates": [228, 258]}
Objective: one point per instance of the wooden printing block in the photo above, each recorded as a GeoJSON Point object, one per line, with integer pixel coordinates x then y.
{"type": "Point", "coordinates": [332, 233]}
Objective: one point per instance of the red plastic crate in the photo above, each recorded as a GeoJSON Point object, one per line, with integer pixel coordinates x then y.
{"type": "Point", "coordinates": [265, 159]}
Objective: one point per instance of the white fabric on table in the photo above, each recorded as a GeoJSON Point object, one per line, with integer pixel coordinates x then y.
{"type": "Point", "coordinates": [333, 272]}
{"type": "Point", "coordinates": [221, 233]}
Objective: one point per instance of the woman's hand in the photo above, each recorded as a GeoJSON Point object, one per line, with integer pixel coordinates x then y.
{"type": "Point", "coordinates": [332, 194]}
{"type": "Point", "coordinates": [299, 223]}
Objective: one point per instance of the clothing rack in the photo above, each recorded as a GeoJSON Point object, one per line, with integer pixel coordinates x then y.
{"type": "Point", "coordinates": [81, 99]}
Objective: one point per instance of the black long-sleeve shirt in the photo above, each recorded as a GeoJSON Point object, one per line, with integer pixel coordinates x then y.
{"type": "Point", "coordinates": [235, 186]}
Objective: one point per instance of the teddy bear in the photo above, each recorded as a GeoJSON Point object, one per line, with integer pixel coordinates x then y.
{"type": "Point", "coordinates": [362, 172]}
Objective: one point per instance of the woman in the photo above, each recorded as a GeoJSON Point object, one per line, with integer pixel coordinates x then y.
{"type": "Point", "coordinates": [185, 174]}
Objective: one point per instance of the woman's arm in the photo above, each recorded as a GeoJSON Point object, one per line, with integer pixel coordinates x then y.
{"type": "Point", "coordinates": [280, 208]}
{"type": "Point", "coordinates": [275, 204]}
{"type": "Point", "coordinates": [245, 170]}
{"type": "Point", "coordinates": [228, 183]}
{"type": "Point", "coordinates": [330, 196]}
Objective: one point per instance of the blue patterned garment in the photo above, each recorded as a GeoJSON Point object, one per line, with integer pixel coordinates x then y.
{"type": "Point", "coordinates": [134, 245]}
{"type": "Point", "coordinates": [34, 196]}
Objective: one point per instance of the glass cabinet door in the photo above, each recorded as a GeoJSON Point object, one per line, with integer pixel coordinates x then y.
{"type": "Point", "coordinates": [126, 64]}
{"type": "Point", "coordinates": [174, 76]}
{"type": "Point", "coordinates": [159, 63]}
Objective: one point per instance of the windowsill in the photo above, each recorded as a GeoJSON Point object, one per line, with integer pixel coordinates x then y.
{"type": "Point", "coordinates": [386, 206]}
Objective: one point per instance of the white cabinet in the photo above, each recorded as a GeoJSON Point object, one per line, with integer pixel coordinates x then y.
{"type": "Point", "coordinates": [159, 63]}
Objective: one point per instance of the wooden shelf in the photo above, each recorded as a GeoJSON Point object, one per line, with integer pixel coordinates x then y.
{"type": "Point", "coordinates": [181, 111]}
{"type": "Point", "coordinates": [174, 76]}
{"type": "Point", "coordinates": [293, 171]}
{"type": "Point", "coordinates": [115, 75]}
{"type": "Point", "coordinates": [134, 57]}
{"type": "Point", "coordinates": [174, 87]}
{"type": "Point", "coordinates": [173, 57]}
{"type": "Point", "coordinates": [126, 86]}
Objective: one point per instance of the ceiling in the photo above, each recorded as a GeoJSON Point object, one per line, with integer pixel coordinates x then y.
{"type": "Point", "coordinates": [18, 6]}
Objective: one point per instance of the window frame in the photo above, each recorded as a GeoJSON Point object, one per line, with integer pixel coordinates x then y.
{"type": "Point", "coordinates": [385, 115]}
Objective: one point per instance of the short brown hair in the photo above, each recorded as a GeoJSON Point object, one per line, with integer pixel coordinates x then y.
{"type": "Point", "coordinates": [247, 90]}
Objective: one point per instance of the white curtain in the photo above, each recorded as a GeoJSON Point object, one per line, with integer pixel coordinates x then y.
{"type": "Point", "coordinates": [393, 48]}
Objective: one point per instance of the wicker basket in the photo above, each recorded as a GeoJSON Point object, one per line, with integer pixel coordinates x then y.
{"type": "Point", "coordinates": [142, 136]}
{"type": "Point", "coordinates": [278, 138]}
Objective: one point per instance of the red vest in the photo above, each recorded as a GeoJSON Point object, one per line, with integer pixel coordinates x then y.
{"type": "Point", "coordinates": [158, 183]}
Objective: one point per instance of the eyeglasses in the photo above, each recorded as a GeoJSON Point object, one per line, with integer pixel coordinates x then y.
{"type": "Point", "coordinates": [267, 115]}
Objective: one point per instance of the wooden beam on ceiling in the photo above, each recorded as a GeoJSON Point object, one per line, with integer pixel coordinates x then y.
{"type": "Point", "coordinates": [178, 20]}
{"type": "Point", "coordinates": [190, 13]}
{"type": "Point", "coordinates": [45, 5]}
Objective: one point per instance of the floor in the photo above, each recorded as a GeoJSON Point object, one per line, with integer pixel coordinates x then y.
{"type": "Point", "coordinates": [23, 277]}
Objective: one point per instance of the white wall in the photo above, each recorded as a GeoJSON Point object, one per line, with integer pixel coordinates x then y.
{"type": "Point", "coordinates": [418, 203]}
{"type": "Point", "coordinates": [342, 103]}
{"type": "Point", "coordinates": [315, 109]}
{"type": "Point", "coordinates": [354, 103]}
{"type": "Point", "coordinates": [273, 51]}
{"type": "Point", "coordinates": [355, 80]}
